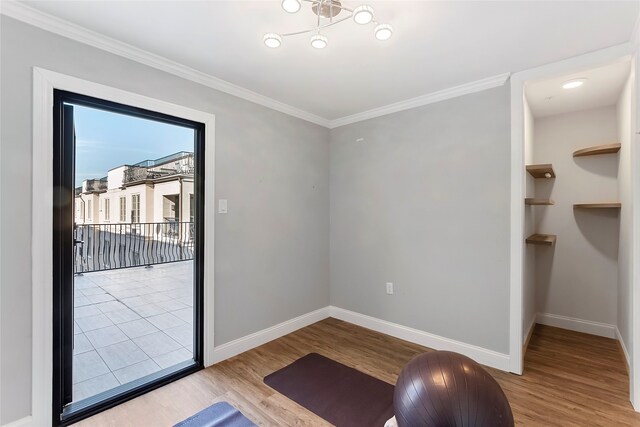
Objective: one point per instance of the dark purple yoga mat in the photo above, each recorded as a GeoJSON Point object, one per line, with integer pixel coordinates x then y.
{"type": "Point", "coordinates": [341, 395]}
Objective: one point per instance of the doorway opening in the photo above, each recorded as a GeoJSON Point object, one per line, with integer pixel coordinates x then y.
{"type": "Point", "coordinates": [578, 136]}
{"type": "Point", "coordinates": [128, 224]}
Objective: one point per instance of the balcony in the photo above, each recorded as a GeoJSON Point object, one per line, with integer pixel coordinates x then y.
{"type": "Point", "coordinates": [133, 298]}
{"type": "Point", "coordinates": [176, 164]}
{"type": "Point", "coordinates": [130, 323]}
{"type": "Point", "coordinates": [140, 173]}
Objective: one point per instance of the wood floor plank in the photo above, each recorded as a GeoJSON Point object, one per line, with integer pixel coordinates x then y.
{"type": "Point", "coordinates": [570, 379]}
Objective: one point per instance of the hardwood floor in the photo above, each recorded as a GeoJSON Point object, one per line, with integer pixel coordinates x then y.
{"type": "Point", "coordinates": [570, 379]}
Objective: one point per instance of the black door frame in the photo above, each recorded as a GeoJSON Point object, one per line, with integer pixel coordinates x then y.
{"type": "Point", "coordinates": [63, 226]}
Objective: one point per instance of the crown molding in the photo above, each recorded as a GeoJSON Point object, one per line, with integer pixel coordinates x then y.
{"type": "Point", "coordinates": [45, 21]}
{"type": "Point", "coordinates": [430, 98]}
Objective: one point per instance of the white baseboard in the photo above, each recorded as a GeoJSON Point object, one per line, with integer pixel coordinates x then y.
{"type": "Point", "coordinates": [578, 325]}
{"type": "Point", "coordinates": [624, 348]}
{"type": "Point", "coordinates": [436, 342]}
{"type": "Point", "coordinates": [235, 347]}
{"type": "Point", "coordinates": [22, 422]}
{"type": "Point", "coordinates": [479, 354]}
{"type": "Point", "coordinates": [529, 331]}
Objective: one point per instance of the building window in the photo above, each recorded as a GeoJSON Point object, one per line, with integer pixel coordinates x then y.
{"type": "Point", "coordinates": [89, 216]}
{"type": "Point", "coordinates": [135, 208]}
{"type": "Point", "coordinates": [107, 209]}
{"type": "Point", "coordinates": [123, 209]}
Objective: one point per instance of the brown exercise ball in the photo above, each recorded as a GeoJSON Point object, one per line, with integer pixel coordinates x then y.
{"type": "Point", "coordinates": [442, 388]}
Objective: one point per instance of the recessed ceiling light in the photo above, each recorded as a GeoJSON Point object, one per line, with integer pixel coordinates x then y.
{"type": "Point", "coordinates": [272, 40]}
{"type": "Point", "coordinates": [574, 83]}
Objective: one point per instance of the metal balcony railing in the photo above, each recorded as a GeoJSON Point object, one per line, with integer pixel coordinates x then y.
{"type": "Point", "coordinates": [92, 185]}
{"type": "Point", "coordinates": [110, 246]}
{"type": "Point", "coordinates": [181, 163]}
{"type": "Point", "coordinates": [138, 173]}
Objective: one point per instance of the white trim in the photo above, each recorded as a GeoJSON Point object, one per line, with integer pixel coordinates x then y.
{"type": "Point", "coordinates": [0, 235]}
{"type": "Point", "coordinates": [22, 422]}
{"type": "Point", "coordinates": [627, 358]}
{"type": "Point", "coordinates": [42, 232]}
{"type": "Point", "coordinates": [579, 325]}
{"type": "Point", "coordinates": [481, 355]}
{"type": "Point", "coordinates": [516, 240]}
{"type": "Point", "coordinates": [430, 98]}
{"type": "Point", "coordinates": [634, 368]}
{"type": "Point", "coordinates": [532, 324]}
{"type": "Point", "coordinates": [240, 345]}
{"type": "Point", "coordinates": [44, 82]}
{"type": "Point", "coordinates": [45, 21]}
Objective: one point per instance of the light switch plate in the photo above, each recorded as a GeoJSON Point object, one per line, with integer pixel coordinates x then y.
{"type": "Point", "coordinates": [222, 206]}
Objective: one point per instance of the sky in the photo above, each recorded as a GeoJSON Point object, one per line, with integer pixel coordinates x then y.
{"type": "Point", "coordinates": [106, 140]}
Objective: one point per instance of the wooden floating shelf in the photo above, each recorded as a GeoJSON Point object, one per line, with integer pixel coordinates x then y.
{"type": "Point", "coordinates": [532, 201]}
{"type": "Point", "coordinates": [608, 205]}
{"type": "Point", "coordinates": [541, 171]}
{"type": "Point", "coordinates": [600, 149]}
{"type": "Point", "coordinates": [541, 239]}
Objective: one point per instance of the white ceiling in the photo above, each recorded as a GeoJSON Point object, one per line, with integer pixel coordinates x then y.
{"type": "Point", "coordinates": [436, 45]}
{"type": "Point", "coordinates": [602, 88]}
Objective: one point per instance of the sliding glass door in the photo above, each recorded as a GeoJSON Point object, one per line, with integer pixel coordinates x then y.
{"type": "Point", "coordinates": [128, 250]}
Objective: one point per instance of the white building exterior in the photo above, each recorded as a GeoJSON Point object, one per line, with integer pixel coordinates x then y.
{"type": "Point", "coordinates": [153, 191]}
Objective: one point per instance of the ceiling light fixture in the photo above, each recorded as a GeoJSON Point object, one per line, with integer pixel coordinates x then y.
{"type": "Point", "coordinates": [319, 41]}
{"type": "Point", "coordinates": [363, 14]}
{"type": "Point", "coordinates": [272, 40]}
{"type": "Point", "coordinates": [574, 83]}
{"type": "Point", "coordinates": [383, 32]}
{"type": "Point", "coordinates": [291, 6]}
{"type": "Point", "coordinates": [327, 12]}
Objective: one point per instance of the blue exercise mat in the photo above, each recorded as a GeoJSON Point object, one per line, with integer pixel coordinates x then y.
{"type": "Point", "coordinates": [219, 415]}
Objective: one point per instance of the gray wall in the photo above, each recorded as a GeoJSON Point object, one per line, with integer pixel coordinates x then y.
{"type": "Point", "coordinates": [423, 202]}
{"type": "Point", "coordinates": [578, 276]}
{"type": "Point", "coordinates": [272, 249]}
{"type": "Point", "coordinates": [626, 113]}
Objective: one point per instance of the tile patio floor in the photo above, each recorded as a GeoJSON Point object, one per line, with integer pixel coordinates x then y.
{"type": "Point", "coordinates": [130, 323]}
